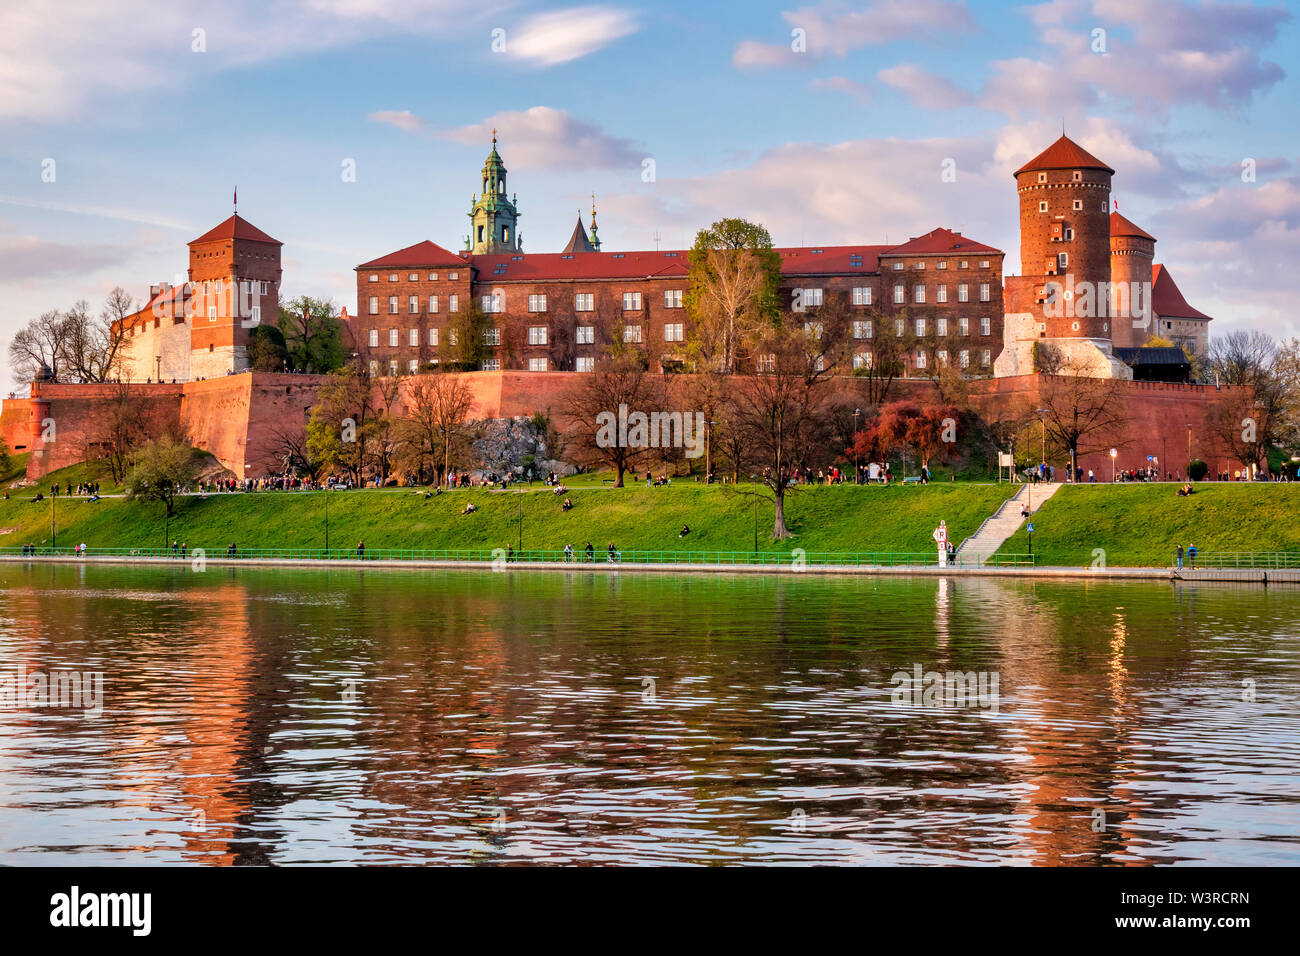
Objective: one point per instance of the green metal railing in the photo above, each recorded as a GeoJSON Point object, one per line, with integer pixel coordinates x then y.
{"type": "Point", "coordinates": [1243, 560]}
{"type": "Point", "coordinates": [488, 556]}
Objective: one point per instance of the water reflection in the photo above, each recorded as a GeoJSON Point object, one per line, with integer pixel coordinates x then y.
{"type": "Point", "coordinates": [257, 717]}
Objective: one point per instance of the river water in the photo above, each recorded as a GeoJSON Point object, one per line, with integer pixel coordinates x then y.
{"type": "Point", "coordinates": [258, 716]}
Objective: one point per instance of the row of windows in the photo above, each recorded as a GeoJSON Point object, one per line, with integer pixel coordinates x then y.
{"type": "Point", "coordinates": [413, 276]}
{"type": "Point", "coordinates": [1077, 205]}
{"type": "Point", "coordinates": [537, 335]}
{"type": "Point", "coordinates": [940, 293]}
{"type": "Point", "coordinates": [865, 328]}
{"type": "Point", "coordinates": [921, 360]}
{"type": "Point", "coordinates": [413, 304]}
{"type": "Point", "coordinates": [941, 264]}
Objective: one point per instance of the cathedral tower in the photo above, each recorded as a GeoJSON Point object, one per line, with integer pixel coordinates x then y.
{"type": "Point", "coordinates": [494, 218]}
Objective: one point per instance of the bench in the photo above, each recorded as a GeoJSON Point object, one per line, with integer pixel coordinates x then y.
{"type": "Point", "coordinates": [913, 480]}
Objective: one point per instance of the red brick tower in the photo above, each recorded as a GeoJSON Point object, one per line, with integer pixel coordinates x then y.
{"type": "Point", "coordinates": [235, 276]}
{"type": "Point", "coordinates": [1061, 298]}
{"type": "Point", "coordinates": [1132, 253]}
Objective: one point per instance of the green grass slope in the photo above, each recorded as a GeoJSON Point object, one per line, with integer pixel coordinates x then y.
{"type": "Point", "coordinates": [843, 518]}
{"type": "Point", "coordinates": [1141, 525]}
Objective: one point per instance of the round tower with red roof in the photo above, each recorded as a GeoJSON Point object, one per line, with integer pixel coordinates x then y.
{"type": "Point", "coordinates": [1132, 254]}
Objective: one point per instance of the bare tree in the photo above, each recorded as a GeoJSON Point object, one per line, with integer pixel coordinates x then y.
{"type": "Point", "coordinates": [619, 386]}
{"type": "Point", "coordinates": [435, 427]}
{"type": "Point", "coordinates": [38, 345]}
{"type": "Point", "coordinates": [1082, 414]}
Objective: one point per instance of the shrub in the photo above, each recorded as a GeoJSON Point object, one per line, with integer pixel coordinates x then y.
{"type": "Point", "coordinates": [1197, 469]}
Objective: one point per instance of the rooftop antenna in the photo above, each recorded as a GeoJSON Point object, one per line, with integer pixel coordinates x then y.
{"type": "Point", "coordinates": [236, 200]}
{"type": "Point", "coordinates": [656, 240]}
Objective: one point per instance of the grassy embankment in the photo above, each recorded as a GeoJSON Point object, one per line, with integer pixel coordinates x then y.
{"type": "Point", "coordinates": [843, 518]}
{"type": "Point", "coordinates": [1141, 525]}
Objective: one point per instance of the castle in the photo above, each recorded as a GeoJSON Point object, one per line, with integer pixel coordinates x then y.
{"type": "Point", "coordinates": [557, 311]}
{"type": "Point", "coordinates": [1089, 293]}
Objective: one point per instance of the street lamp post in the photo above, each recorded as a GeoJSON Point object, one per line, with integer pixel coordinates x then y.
{"type": "Point", "coordinates": [327, 519]}
{"type": "Point", "coordinates": [1113, 453]}
{"type": "Point", "coordinates": [1189, 443]}
{"type": "Point", "coordinates": [857, 461]}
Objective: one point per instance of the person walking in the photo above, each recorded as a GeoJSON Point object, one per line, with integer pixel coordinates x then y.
{"type": "Point", "coordinates": [1178, 558]}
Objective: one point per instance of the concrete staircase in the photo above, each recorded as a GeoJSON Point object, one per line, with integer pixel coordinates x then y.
{"type": "Point", "coordinates": [1003, 523]}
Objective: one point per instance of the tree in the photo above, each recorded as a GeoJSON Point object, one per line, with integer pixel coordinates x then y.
{"type": "Point", "coordinates": [617, 388]}
{"type": "Point", "coordinates": [312, 335]}
{"type": "Point", "coordinates": [38, 345]}
{"type": "Point", "coordinates": [782, 408]}
{"type": "Point", "coordinates": [1268, 411]}
{"type": "Point", "coordinates": [892, 340]}
{"type": "Point", "coordinates": [732, 291]}
{"type": "Point", "coordinates": [1080, 413]}
{"type": "Point", "coordinates": [928, 430]}
{"type": "Point", "coordinates": [464, 348]}
{"type": "Point", "coordinates": [162, 467]}
{"type": "Point", "coordinates": [435, 429]}
{"type": "Point", "coordinates": [337, 431]}
{"type": "Point", "coordinates": [267, 351]}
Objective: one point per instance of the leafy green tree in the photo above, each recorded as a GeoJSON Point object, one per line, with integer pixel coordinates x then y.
{"type": "Point", "coordinates": [313, 335]}
{"type": "Point", "coordinates": [733, 291]}
{"type": "Point", "coordinates": [465, 346]}
{"type": "Point", "coordinates": [338, 434]}
{"type": "Point", "coordinates": [266, 349]}
{"type": "Point", "coordinates": [162, 467]}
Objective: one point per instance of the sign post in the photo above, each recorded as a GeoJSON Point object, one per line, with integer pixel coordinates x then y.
{"type": "Point", "coordinates": [941, 539]}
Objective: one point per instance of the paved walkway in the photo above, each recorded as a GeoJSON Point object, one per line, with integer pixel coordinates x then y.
{"type": "Point", "coordinates": [1005, 522]}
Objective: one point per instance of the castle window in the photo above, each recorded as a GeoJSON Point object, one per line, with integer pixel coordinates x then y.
{"type": "Point", "coordinates": [941, 293]}
{"type": "Point", "coordinates": [263, 288]}
{"type": "Point", "coordinates": [413, 338]}
{"type": "Point", "coordinates": [963, 326]}
{"type": "Point", "coordinates": [900, 294]}
{"type": "Point", "coordinates": [433, 338]}
{"type": "Point", "coordinates": [374, 368]}
{"type": "Point", "coordinates": [918, 293]}
{"type": "Point", "coordinates": [491, 365]}
{"type": "Point", "coordinates": [453, 303]}
{"type": "Point", "coordinates": [943, 357]}
{"type": "Point", "coordinates": [413, 304]}
{"type": "Point", "coordinates": [862, 360]}
{"type": "Point", "coordinates": [940, 326]}
{"type": "Point", "coordinates": [453, 276]}
{"type": "Point", "coordinates": [672, 298]}
{"type": "Point", "coordinates": [862, 330]}
{"type": "Point", "coordinates": [433, 277]}
{"type": "Point", "coordinates": [963, 292]}
{"type": "Point", "coordinates": [505, 233]}
{"type": "Point", "coordinates": [985, 292]}
{"type": "Point", "coordinates": [965, 358]}
{"type": "Point", "coordinates": [480, 233]}
{"type": "Point", "coordinates": [392, 305]}
{"type": "Point", "coordinates": [1078, 205]}
{"type": "Point", "coordinates": [985, 356]}
{"type": "Point", "coordinates": [433, 303]}
{"type": "Point", "coordinates": [674, 332]}
{"type": "Point", "coordinates": [986, 326]}
{"type": "Point", "coordinates": [211, 347]}
{"type": "Point", "coordinates": [1042, 206]}
{"type": "Point", "coordinates": [212, 315]}
{"type": "Point", "coordinates": [392, 277]}
{"type": "Point", "coordinates": [413, 366]}
{"type": "Point", "coordinates": [537, 335]}
{"type": "Point", "coordinates": [374, 338]}
{"type": "Point", "coordinates": [586, 335]}
{"type": "Point", "coordinates": [537, 365]}
{"type": "Point", "coordinates": [900, 326]}
{"type": "Point", "coordinates": [1042, 177]}
{"type": "Point", "coordinates": [631, 301]}
{"type": "Point", "coordinates": [984, 263]}
{"type": "Point", "coordinates": [392, 338]}
{"type": "Point", "coordinates": [898, 267]}
{"type": "Point", "coordinates": [256, 315]}
{"type": "Point", "coordinates": [631, 333]}
{"type": "Point", "coordinates": [1062, 261]}
{"type": "Point", "coordinates": [920, 358]}
{"type": "Point", "coordinates": [1078, 176]}
{"type": "Point", "coordinates": [811, 296]}
{"type": "Point", "coordinates": [941, 264]}
{"type": "Point", "coordinates": [920, 326]}
{"type": "Point", "coordinates": [392, 366]}
{"type": "Point", "coordinates": [862, 295]}
{"type": "Point", "coordinates": [494, 302]}
{"type": "Point", "coordinates": [584, 302]}
{"type": "Point", "coordinates": [920, 265]}
{"type": "Point", "coordinates": [492, 336]}
{"type": "Point", "coordinates": [413, 277]}
{"type": "Point", "coordinates": [584, 363]}
{"type": "Point", "coordinates": [1069, 233]}
{"type": "Point", "coordinates": [962, 264]}
{"type": "Point", "coordinates": [453, 337]}
{"type": "Point", "coordinates": [537, 303]}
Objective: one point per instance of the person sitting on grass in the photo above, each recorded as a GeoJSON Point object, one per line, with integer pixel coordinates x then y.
{"type": "Point", "coordinates": [568, 504]}
{"type": "Point", "coordinates": [469, 508]}
{"type": "Point", "coordinates": [684, 532]}
{"type": "Point", "coordinates": [1186, 490]}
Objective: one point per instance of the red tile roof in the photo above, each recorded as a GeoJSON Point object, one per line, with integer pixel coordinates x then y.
{"type": "Point", "coordinates": [1065, 153]}
{"type": "Point", "coordinates": [421, 254]}
{"type": "Point", "coordinates": [1119, 226]}
{"type": "Point", "coordinates": [939, 242]}
{"type": "Point", "coordinates": [167, 297]}
{"type": "Point", "coordinates": [236, 227]}
{"type": "Point", "coordinates": [1167, 300]}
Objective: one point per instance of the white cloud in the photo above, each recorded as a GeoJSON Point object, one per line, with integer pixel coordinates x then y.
{"type": "Point", "coordinates": [561, 36]}
{"type": "Point", "coordinates": [542, 137]}
{"type": "Point", "coordinates": [53, 63]}
{"type": "Point", "coordinates": [836, 27]}
{"type": "Point", "coordinates": [23, 258]}
{"type": "Point", "coordinates": [842, 84]}
{"type": "Point", "coordinates": [924, 88]}
{"type": "Point", "coordinates": [404, 120]}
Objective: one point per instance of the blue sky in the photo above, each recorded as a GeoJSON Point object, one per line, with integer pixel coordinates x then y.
{"type": "Point", "coordinates": [839, 142]}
